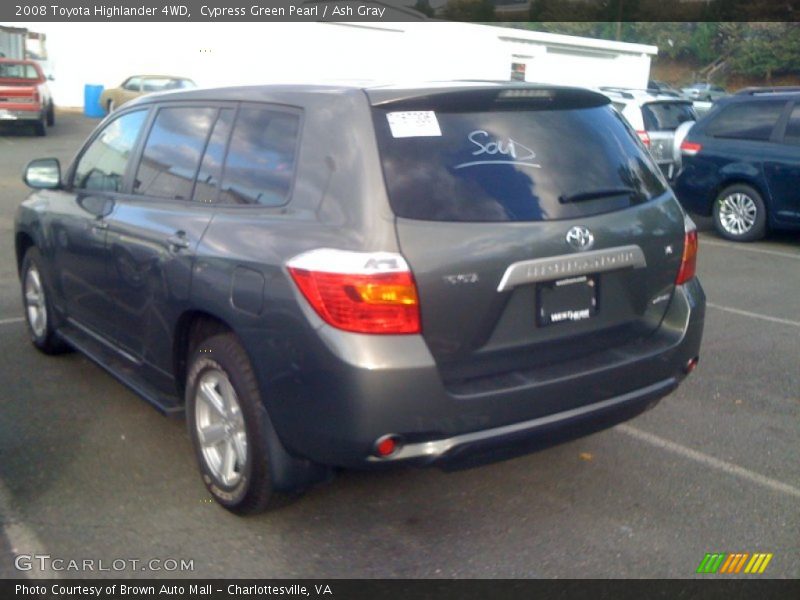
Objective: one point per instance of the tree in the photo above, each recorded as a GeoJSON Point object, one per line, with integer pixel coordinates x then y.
{"type": "Point", "coordinates": [469, 10]}
{"type": "Point", "coordinates": [424, 7]}
{"type": "Point", "coordinates": [765, 49]}
{"type": "Point", "coordinates": [752, 49]}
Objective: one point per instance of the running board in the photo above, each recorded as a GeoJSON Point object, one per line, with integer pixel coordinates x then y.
{"type": "Point", "coordinates": [111, 361]}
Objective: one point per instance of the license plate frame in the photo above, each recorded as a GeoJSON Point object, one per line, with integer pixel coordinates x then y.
{"type": "Point", "coordinates": [569, 300]}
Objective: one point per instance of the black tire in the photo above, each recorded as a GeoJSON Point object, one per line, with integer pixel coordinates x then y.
{"type": "Point", "coordinates": [45, 339]}
{"type": "Point", "coordinates": [51, 115]}
{"type": "Point", "coordinates": [39, 127]}
{"type": "Point", "coordinates": [750, 197]}
{"type": "Point", "coordinates": [253, 491]}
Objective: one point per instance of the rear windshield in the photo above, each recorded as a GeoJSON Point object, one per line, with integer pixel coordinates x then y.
{"type": "Point", "coordinates": [18, 71]}
{"type": "Point", "coordinates": [666, 116]}
{"type": "Point", "coordinates": [512, 165]}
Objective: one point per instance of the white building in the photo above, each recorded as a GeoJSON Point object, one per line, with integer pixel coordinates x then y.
{"type": "Point", "coordinates": [570, 60]}
{"type": "Point", "coordinates": [216, 54]}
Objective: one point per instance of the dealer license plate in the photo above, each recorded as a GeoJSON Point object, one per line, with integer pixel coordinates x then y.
{"type": "Point", "coordinates": [566, 300]}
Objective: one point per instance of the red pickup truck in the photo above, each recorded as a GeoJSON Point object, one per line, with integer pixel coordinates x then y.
{"type": "Point", "coordinates": [24, 94]}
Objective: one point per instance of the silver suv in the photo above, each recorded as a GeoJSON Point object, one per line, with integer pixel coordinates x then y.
{"type": "Point", "coordinates": [655, 117]}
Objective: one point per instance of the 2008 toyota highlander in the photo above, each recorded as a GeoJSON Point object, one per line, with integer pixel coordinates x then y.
{"type": "Point", "coordinates": [335, 276]}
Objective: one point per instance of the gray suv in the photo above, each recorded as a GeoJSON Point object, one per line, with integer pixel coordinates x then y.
{"type": "Point", "coordinates": [658, 120]}
{"type": "Point", "coordinates": [333, 276]}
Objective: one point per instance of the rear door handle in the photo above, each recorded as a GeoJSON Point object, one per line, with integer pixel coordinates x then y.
{"type": "Point", "coordinates": [178, 241]}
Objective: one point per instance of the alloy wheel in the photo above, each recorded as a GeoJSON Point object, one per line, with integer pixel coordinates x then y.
{"type": "Point", "coordinates": [737, 213]}
{"type": "Point", "coordinates": [35, 305]}
{"type": "Point", "coordinates": [220, 427]}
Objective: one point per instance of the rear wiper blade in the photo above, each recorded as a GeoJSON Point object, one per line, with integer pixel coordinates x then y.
{"type": "Point", "coordinates": [597, 194]}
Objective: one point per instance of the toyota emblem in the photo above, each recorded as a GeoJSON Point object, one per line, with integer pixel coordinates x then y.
{"type": "Point", "coordinates": [580, 238]}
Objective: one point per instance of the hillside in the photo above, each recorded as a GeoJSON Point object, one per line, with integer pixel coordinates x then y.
{"type": "Point", "coordinates": [680, 73]}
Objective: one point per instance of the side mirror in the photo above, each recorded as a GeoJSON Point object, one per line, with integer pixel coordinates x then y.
{"type": "Point", "coordinates": [51, 78]}
{"type": "Point", "coordinates": [43, 174]}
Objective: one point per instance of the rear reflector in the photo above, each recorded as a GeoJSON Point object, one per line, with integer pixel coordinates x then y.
{"type": "Point", "coordinates": [691, 365]}
{"type": "Point", "coordinates": [362, 292]}
{"type": "Point", "coordinates": [689, 258]}
{"type": "Point", "coordinates": [644, 136]}
{"type": "Point", "coordinates": [386, 446]}
{"type": "Point", "coordinates": [690, 148]}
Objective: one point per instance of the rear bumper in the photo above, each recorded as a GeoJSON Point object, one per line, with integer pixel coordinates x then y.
{"type": "Point", "coordinates": [351, 390]}
{"type": "Point", "coordinates": [530, 435]}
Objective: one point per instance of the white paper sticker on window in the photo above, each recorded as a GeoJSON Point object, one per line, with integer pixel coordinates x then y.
{"type": "Point", "coordinates": [414, 123]}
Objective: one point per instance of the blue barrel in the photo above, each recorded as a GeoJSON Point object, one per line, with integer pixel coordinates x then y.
{"type": "Point", "coordinates": [91, 101]}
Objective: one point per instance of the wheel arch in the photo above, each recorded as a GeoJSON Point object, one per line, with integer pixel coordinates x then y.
{"type": "Point", "coordinates": [22, 242]}
{"type": "Point", "coordinates": [290, 473]}
{"type": "Point", "coordinates": [193, 324]}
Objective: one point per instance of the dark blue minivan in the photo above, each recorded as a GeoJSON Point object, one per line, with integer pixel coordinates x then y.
{"type": "Point", "coordinates": [741, 164]}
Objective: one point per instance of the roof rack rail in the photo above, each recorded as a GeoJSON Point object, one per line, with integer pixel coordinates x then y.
{"type": "Point", "coordinates": [478, 80]}
{"type": "Point", "coordinates": [752, 91]}
{"type": "Point", "coordinates": [629, 92]}
{"type": "Point", "coordinates": [624, 92]}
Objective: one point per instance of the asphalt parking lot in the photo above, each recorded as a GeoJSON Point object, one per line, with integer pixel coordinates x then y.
{"type": "Point", "coordinates": [89, 471]}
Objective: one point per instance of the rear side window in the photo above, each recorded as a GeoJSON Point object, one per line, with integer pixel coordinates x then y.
{"type": "Point", "coordinates": [666, 116]}
{"type": "Point", "coordinates": [172, 152]}
{"type": "Point", "coordinates": [160, 84]}
{"type": "Point", "coordinates": [513, 165]}
{"type": "Point", "coordinates": [133, 84]}
{"type": "Point", "coordinates": [792, 135]}
{"type": "Point", "coordinates": [102, 166]}
{"type": "Point", "coordinates": [261, 157]}
{"type": "Point", "coordinates": [206, 187]}
{"type": "Point", "coordinates": [747, 120]}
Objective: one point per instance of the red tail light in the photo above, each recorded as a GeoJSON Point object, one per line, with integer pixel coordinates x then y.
{"type": "Point", "coordinates": [644, 136]}
{"type": "Point", "coordinates": [36, 97]}
{"type": "Point", "coordinates": [689, 258]}
{"type": "Point", "coordinates": [363, 292]}
{"type": "Point", "coordinates": [690, 148]}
